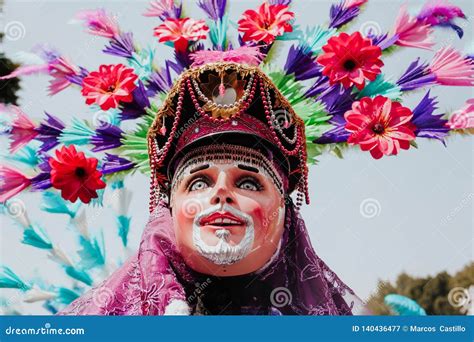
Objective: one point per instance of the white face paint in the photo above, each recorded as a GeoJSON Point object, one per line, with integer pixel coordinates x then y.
{"type": "Point", "coordinates": [223, 253]}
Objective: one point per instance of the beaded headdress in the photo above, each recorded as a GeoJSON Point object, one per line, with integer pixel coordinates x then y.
{"type": "Point", "coordinates": [226, 101]}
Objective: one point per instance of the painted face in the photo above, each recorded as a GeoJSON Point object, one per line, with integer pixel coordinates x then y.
{"type": "Point", "coordinates": [228, 218]}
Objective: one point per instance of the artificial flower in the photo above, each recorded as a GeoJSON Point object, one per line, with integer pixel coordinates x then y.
{"type": "Point", "coordinates": [11, 182]}
{"type": "Point", "coordinates": [350, 60]}
{"type": "Point", "coordinates": [22, 128]}
{"type": "Point", "coordinates": [75, 175]}
{"type": "Point", "coordinates": [181, 32]}
{"type": "Point", "coordinates": [64, 73]}
{"type": "Point", "coordinates": [266, 23]}
{"type": "Point", "coordinates": [379, 125]}
{"type": "Point", "coordinates": [109, 86]}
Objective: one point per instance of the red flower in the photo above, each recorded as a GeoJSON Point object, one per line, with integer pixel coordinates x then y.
{"type": "Point", "coordinates": [380, 126]}
{"type": "Point", "coordinates": [109, 86]}
{"type": "Point", "coordinates": [265, 25]}
{"type": "Point", "coordinates": [181, 31]}
{"type": "Point", "coordinates": [350, 59]}
{"type": "Point", "coordinates": [75, 175]}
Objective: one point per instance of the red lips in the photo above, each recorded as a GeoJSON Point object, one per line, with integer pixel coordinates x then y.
{"type": "Point", "coordinates": [221, 216]}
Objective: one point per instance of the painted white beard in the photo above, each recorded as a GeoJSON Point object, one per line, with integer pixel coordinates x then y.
{"type": "Point", "coordinates": [223, 253]}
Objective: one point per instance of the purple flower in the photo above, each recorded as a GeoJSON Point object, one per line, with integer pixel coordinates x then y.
{"type": "Point", "coordinates": [417, 76]}
{"type": "Point", "coordinates": [161, 80]}
{"type": "Point", "coordinates": [106, 137]}
{"type": "Point", "coordinates": [136, 108]}
{"type": "Point", "coordinates": [429, 125]}
{"type": "Point", "coordinates": [301, 63]}
{"type": "Point", "coordinates": [215, 9]}
{"type": "Point", "coordinates": [121, 46]}
{"type": "Point", "coordinates": [49, 131]}
{"type": "Point", "coordinates": [113, 163]}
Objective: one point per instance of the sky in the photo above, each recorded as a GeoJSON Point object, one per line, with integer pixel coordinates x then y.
{"type": "Point", "coordinates": [368, 219]}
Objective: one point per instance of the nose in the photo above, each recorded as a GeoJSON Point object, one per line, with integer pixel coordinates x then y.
{"type": "Point", "coordinates": [221, 193]}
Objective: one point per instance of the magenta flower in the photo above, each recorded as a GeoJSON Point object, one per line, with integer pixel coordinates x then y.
{"type": "Point", "coordinates": [164, 9]}
{"type": "Point", "coordinates": [61, 70]}
{"type": "Point", "coordinates": [12, 182]}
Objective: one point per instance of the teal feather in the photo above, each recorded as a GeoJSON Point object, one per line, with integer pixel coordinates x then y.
{"type": "Point", "coordinates": [142, 63]}
{"type": "Point", "coordinates": [66, 296]}
{"type": "Point", "coordinates": [315, 38]}
{"type": "Point", "coordinates": [123, 223]}
{"type": "Point", "coordinates": [99, 201]}
{"type": "Point", "coordinates": [35, 236]}
{"type": "Point", "coordinates": [54, 203]}
{"type": "Point", "coordinates": [404, 306]}
{"type": "Point", "coordinates": [92, 253]}
{"type": "Point", "coordinates": [218, 32]}
{"type": "Point", "coordinates": [9, 280]}
{"type": "Point", "coordinates": [117, 185]}
{"type": "Point", "coordinates": [80, 275]}
{"type": "Point", "coordinates": [79, 133]}
{"type": "Point", "coordinates": [26, 155]}
{"type": "Point", "coordinates": [381, 87]}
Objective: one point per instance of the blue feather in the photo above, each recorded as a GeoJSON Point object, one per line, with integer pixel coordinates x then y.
{"type": "Point", "coordinates": [9, 280]}
{"type": "Point", "coordinates": [80, 275]}
{"type": "Point", "coordinates": [404, 306]}
{"type": "Point", "coordinates": [123, 223]}
{"type": "Point", "coordinates": [92, 253]}
{"type": "Point", "coordinates": [35, 236]}
{"type": "Point", "coordinates": [54, 203]}
{"type": "Point", "coordinates": [79, 133]}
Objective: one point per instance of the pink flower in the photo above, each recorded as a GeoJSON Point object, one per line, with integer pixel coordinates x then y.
{"type": "Point", "coordinates": [11, 182]}
{"type": "Point", "coordinates": [109, 86]}
{"type": "Point", "coordinates": [265, 24]}
{"type": "Point", "coordinates": [99, 23]}
{"type": "Point", "coordinates": [412, 32]}
{"type": "Point", "coordinates": [181, 31]}
{"type": "Point", "coordinates": [463, 118]}
{"type": "Point", "coordinates": [380, 126]}
{"type": "Point", "coordinates": [451, 68]}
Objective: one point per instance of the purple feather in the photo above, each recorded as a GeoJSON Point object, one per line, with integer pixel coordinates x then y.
{"type": "Point", "coordinates": [161, 81]}
{"type": "Point", "coordinates": [429, 125]}
{"type": "Point", "coordinates": [383, 41]}
{"type": "Point", "coordinates": [77, 78]}
{"type": "Point", "coordinates": [113, 163]}
{"type": "Point", "coordinates": [417, 76]}
{"type": "Point", "coordinates": [215, 9]}
{"type": "Point", "coordinates": [302, 64]}
{"type": "Point", "coordinates": [121, 46]}
{"type": "Point", "coordinates": [319, 86]}
{"type": "Point", "coordinates": [280, 2]}
{"type": "Point", "coordinates": [340, 15]}
{"type": "Point", "coordinates": [106, 137]}
{"type": "Point", "coordinates": [49, 131]}
{"type": "Point", "coordinates": [42, 181]}
{"type": "Point", "coordinates": [136, 108]}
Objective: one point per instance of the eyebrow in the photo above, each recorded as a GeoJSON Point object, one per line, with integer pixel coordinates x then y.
{"type": "Point", "coordinates": [199, 168]}
{"type": "Point", "coordinates": [248, 168]}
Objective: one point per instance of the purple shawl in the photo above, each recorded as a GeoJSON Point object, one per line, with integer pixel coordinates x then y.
{"type": "Point", "coordinates": [295, 282]}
